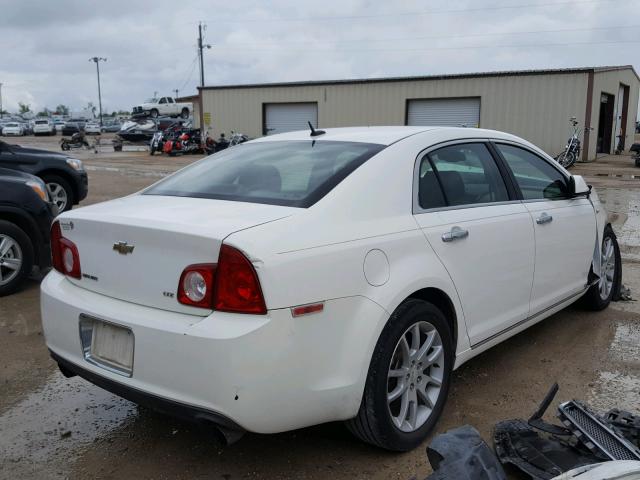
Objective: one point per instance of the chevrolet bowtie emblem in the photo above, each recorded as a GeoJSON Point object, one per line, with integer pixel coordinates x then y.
{"type": "Point", "coordinates": [123, 248]}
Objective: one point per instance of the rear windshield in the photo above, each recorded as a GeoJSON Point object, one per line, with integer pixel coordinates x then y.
{"type": "Point", "coordinates": [291, 173]}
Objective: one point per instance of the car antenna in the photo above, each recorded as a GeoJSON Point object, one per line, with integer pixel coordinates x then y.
{"type": "Point", "coordinates": [314, 132]}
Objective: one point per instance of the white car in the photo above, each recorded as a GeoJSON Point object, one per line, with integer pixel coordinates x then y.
{"type": "Point", "coordinates": [59, 124]}
{"type": "Point", "coordinates": [43, 126]}
{"type": "Point", "coordinates": [298, 279]}
{"type": "Point", "coordinates": [92, 128]}
{"type": "Point", "coordinates": [13, 128]}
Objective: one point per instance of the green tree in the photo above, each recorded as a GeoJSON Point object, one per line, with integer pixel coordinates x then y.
{"type": "Point", "coordinates": [24, 107]}
{"type": "Point", "coordinates": [62, 109]}
{"type": "Point", "coordinates": [44, 113]}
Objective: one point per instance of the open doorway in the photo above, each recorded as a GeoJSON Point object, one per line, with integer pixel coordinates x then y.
{"type": "Point", "coordinates": [605, 123]}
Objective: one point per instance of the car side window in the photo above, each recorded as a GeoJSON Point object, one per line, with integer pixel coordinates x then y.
{"type": "Point", "coordinates": [466, 173]}
{"type": "Point", "coordinates": [429, 191]}
{"type": "Point", "coordinates": [536, 178]}
{"type": "Point", "coordinates": [163, 100]}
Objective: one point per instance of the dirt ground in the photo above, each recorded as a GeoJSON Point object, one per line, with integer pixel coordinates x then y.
{"type": "Point", "coordinates": [52, 427]}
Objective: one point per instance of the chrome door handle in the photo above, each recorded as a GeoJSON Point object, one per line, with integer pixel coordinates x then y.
{"type": "Point", "coordinates": [456, 233]}
{"type": "Point", "coordinates": [544, 218]}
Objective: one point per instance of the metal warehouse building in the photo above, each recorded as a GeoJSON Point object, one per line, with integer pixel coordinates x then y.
{"type": "Point", "coordinates": [534, 104]}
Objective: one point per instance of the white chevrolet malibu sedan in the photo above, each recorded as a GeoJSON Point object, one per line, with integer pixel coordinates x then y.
{"type": "Point", "coordinates": [318, 276]}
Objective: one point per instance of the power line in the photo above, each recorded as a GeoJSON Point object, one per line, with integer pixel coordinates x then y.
{"type": "Point", "coordinates": [404, 14]}
{"type": "Point", "coordinates": [464, 47]}
{"type": "Point", "coordinates": [434, 37]}
{"type": "Point", "coordinates": [188, 77]}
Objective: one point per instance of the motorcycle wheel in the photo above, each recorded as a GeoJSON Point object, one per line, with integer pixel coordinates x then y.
{"type": "Point", "coordinates": [152, 150]}
{"type": "Point", "coordinates": [65, 147]}
{"type": "Point", "coordinates": [566, 159]}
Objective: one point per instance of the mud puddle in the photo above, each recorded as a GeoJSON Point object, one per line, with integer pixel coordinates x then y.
{"type": "Point", "coordinates": [47, 430]}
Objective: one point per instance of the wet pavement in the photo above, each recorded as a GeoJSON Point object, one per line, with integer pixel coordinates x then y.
{"type": "Point", "coordinates": [52, 427]}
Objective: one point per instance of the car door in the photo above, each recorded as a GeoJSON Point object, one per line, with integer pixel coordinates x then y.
{"type": "Point", "coordinates": [480, 231]}
{"type": "Point", "coordinates": [565, 228]}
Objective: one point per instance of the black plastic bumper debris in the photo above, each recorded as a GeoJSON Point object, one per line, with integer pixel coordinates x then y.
{"type": "Point", "coordinates": [540, 455]}
{"type": "Point", "coordinates": [461, 454]}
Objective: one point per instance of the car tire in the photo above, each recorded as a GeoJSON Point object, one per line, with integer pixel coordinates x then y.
{"type": "Point", "coordinates": [22, 249]}
{"type": "Point", "coordinates": [60, 192]}
{"type": "Point", "coordinates": [185, 113]}
{"type": "Point", "coordinates": [603, 291]}
{"type": "Point", "coordinates": [376, 422]}
{"type": "Point", "coordinates": [154, 113]}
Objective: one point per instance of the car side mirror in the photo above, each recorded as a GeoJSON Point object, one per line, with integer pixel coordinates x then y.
{"type": "Point", "coordinates": [578, 187]}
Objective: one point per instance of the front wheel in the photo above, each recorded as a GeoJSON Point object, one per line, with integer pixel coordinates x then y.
{"type": "Point", "coordinates": [566, 159]}
{"type": "Point", "coordinates": [16, 257]}
{"type": "Point", "coordinates": [154, 113]}
{"type": "Point", "coordinates": [60, 192]}
{"type": "Point", "coordinates": [185, 113]}
{"type": "Point", "coordinates": [408, 379]}
{"type": "Point", "coordinates": [600, 294]}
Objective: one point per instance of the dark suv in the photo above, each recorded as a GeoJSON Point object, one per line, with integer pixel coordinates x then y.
{"type": "Point", "coordinates": [25, 219]}
{"type": "Point", "coordinates": [64, 176]}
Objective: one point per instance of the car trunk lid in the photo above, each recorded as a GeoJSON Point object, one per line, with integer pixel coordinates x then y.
{"type": "Point", "coordinates": [135, 248]}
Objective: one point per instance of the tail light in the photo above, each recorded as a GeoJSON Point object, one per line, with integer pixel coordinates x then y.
{"type": "Point", "coordinates": [231, 285]}
{"type": "Point", "coordinates": [196, 285]}
{"type": "Point", "coordinates": [64, 253]}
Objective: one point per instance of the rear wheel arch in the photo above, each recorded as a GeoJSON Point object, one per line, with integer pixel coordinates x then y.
{"type": "Point", "coordinates": [444, 303]}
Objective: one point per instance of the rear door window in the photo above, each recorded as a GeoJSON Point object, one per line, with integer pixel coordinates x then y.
{"type": "Point", "coordinates": [466, 173]}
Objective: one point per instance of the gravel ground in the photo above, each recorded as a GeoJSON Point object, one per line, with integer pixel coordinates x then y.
{"type": "Point", "coordinates": [53, 427]}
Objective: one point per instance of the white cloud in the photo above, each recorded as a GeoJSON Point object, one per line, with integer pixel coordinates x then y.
{"type": "Point", "coordinates": [150, 46]}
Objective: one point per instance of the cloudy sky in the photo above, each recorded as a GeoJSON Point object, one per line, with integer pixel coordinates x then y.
{"type": "Point", "coordinates": [150, 47]}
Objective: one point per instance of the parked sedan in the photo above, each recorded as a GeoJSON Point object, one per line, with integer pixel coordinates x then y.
{"type": "Point", "coordinates": [26, 214]}
{"type": "Point", "coordinates": [341, 275]}
{"type": "Point", "coordinates": [13, 129]}
{"type": "Point", "coordinates": [70, 128]}
{"type": "Point", "coordinates": [92, 128]}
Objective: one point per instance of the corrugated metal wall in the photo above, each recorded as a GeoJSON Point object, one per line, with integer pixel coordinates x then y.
{"type": "Point", "coordinates": [536, 107]}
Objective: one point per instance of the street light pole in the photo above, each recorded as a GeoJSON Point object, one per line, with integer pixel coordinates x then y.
{"type": "Point", "coordinates": [97, 61]}
{"type": "Point", "coordinates": [0, 100]}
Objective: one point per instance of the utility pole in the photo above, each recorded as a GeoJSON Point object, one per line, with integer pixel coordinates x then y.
{"type": "Point", "coordinates": [176, 91]}
{"type": "Point", "coordinates": [201, 46]}
{"type": "Point", "coordinates": [0, 100]}
{"type": "Point", "coordinates": [97, 61]}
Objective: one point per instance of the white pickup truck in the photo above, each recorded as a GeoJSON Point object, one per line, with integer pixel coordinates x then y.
{"type": "Point", "coordinates": [164, 106]}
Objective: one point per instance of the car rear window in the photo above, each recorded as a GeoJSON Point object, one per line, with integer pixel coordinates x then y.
{"type": "Point", "coordinates": [42, 122]}
{"type": "Point", "coordinates": [290, 173]}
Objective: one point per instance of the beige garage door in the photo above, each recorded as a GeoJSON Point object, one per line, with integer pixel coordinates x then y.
{"type": "Point", "coordinates": [288, 117]}
{"type": "Point", "coordinates": [446, 112]}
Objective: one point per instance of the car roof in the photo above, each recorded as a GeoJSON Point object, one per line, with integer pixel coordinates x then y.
{"type": "Point", "coordinates": [388, 135]}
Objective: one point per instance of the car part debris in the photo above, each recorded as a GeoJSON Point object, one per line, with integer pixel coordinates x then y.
{"type": "Point", "coordinates": [618, 470]}
{"type": "Point", "coordinates": [626, 423]}
{"type": "Point", "coordinates": [461, 454]}
{"type": "Point", "coordinates": [540, 455]}
{"type": "Point", "coordinates": [595, 434]}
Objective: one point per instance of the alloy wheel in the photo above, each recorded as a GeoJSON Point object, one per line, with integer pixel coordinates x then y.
{"type": "Point", "coordinates": [10, 259]}
{"type": "Point", "coordinates": [58, 195]}
{"type": "Point", "coordinates": [607, 268]}
{"type": "Point", "coordinates": [415, 376]}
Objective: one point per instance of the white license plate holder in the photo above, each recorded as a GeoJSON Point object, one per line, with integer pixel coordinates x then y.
{"type": "Point", "coordinates": [107, 345]}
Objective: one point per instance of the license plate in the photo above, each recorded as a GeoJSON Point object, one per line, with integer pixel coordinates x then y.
{"type": "Point", "coordinates": [107, 345]}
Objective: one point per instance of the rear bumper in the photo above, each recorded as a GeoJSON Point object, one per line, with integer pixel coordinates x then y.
{"type": "Point", "coordinates": [264, 374]}
{"type": "Point", "coordinates": [186, 412]}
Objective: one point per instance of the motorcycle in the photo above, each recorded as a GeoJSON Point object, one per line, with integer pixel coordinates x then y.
{"type": "Point", "coordinates": [571, 152]}
{"type": "Point", "coordinates": [187, 141]}
{"type": "Point", "coordinates": [77, 140]}
{"type": "Point", "coordinates": [161, 136]}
